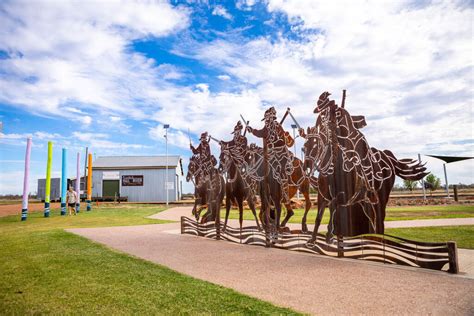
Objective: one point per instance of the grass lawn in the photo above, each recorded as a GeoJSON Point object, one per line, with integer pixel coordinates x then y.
{"type": "Point", "coordinates": [396, 213]}
{"type": "Point", "coordinates": [462, 235]}
{"type": "Point", "coordinates": [47, 270]}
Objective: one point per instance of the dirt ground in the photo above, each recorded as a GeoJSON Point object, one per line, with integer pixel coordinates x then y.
{"type": "Point", "coordinates": [15, 209]}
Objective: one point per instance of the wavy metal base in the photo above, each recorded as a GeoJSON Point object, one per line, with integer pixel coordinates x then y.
{"type": "Point", "coordinates": [380, 248]}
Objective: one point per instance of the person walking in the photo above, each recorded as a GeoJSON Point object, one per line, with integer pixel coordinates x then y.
{"type": "Point", "coordinates": [71, 200]}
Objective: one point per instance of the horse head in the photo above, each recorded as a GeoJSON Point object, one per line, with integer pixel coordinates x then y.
{"type": "Point", "coordinates": [224, 160]}
{"type": "Point", "coordinates": [192, 169]}
{"type": "Point", "coordinates": [311, 151]}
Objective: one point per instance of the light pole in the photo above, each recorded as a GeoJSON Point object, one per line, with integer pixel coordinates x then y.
{"type": "Point", "coordinates": [166, 126]}
{"type": "Point", "coordinates": [294, 149]}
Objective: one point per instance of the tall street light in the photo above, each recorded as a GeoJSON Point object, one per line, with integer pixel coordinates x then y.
{"type": "Point", "coordinates": [166, 126]}
{"type": "Point", "coordinates": [294, 126]}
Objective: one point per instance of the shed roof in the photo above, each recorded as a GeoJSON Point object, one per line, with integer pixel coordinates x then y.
{"type": "Point", "coordinates": [123, 162]}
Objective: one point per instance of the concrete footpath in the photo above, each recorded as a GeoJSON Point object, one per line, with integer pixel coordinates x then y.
{"type": "Point", "coordinates": [307, 283]}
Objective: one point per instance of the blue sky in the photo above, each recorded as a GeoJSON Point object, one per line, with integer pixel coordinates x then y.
{"type": "Point", "coordinates": [108, 75]}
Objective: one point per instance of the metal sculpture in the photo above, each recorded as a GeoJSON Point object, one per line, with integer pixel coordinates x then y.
{"type": "Point", "coordinates": [239, 187]}
{"type": "Point", "coordinates": [354, 180]}
{"type": "Point", "coordinates": [209, 183]}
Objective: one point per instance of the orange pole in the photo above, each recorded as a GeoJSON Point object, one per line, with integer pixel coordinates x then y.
{"type": "Point", "coordinates": [89, 183]}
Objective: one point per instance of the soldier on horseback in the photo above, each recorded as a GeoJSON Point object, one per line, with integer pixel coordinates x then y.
{"type": "Point", "coordinates": [203, 152]}
{"type": "Point", "coordinates": [275, 142]}
{"type": "Point", "coordinates": [237, 146]}
{"type": "Point", "coordinates": [342, 131]}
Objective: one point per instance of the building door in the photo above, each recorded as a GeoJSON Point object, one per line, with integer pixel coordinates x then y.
{"type": "Point", "coordinates": [110, 188]}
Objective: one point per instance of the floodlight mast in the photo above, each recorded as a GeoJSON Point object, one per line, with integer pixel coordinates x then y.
{"type": "Point", "coordinates": [166, 126]}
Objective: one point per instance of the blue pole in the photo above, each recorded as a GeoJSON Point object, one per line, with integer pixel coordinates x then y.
{"type": "Point", "coordinates": [64, 183]}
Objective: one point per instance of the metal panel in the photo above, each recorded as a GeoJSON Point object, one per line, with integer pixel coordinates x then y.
{"type": "Point", "coordinates": [125, 162]}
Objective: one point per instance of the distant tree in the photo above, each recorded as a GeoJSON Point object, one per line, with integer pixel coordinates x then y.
{"type": "Point", "coordinates": [432, 182]}
{"type": "Point", "coordinates": [410, 184]}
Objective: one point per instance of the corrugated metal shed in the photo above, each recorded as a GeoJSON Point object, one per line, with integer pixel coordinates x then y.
{"type": "Point", "coordinates": [111, 178]}
{"type": "Point", "coordinates": [134, 162]}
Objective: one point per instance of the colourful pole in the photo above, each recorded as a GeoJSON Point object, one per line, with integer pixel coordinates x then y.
{"type": "Point", "coordinates": [89, 182]}
{"type": "Point", "coordinates": [78, 183]}
{"type": "Point", "coordinates": [24, 204]}
{"type": "Point", "coordinates": [48, 180]}
{"type": "Point", "coordinates": [64, 183]}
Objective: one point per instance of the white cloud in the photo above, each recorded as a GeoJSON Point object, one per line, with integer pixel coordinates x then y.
{"type": "Point", "coordinates": [407, 69]}
{"type": "Point", "coordinates": [221, 11]}
{"type": "Point", "coordinates": [73, 58]}
{"type": "Point", "coordinates": [88, 137]}
{"type": "Point", "coordinates": [224, 77]}
{"type": "Point", "coordinates": [175, 137]}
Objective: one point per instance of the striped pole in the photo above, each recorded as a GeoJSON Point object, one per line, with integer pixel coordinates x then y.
{"type": "Point", "coordinates": [48, 180]}
{"type": "Point", "coordinates": [64, 183]}
{"type": "Point", "coordinates": [89, 182]}
{"type": "Point", "coordinates": [24, 204]}
{"type": "Point", "coordinates": [78, 183]}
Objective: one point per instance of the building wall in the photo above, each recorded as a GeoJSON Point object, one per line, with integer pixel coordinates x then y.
{"type": "Point", "coordinates": [153, 189]}
{"type": "Point", "coordinates": [55, 192]}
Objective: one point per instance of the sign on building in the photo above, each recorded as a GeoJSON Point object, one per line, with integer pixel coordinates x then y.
{"type": "Point", "coordinates": [111, 175]}
{"type": "Point", "coordinates": [132, 181]}
{"type": "Point", "coordinates": [170, 185]}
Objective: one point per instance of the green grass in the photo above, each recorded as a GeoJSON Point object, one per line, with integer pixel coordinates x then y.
{"type": "Point", "coordinates": [106, 215]}
{"type": "Point", "coordinates": [393, 213]}
{"type": "Point", "coordinates": [462, 235]}
{"type": "Point", "coordinates": [47, 270]}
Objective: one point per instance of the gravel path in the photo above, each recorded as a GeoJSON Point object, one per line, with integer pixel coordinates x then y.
{"type": "Point", "coordinates": [307, 283]}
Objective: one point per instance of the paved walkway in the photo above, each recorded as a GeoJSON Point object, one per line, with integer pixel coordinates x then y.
{"type": "Point", "coordinates": [304, 282]}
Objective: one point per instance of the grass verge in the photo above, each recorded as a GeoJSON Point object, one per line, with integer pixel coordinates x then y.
{"type": "Point", "coordinates": [47, 270]}
{"type": "Point", "coordinates": [462, 235]}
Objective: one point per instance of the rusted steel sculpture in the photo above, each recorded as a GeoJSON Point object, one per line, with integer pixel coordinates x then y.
{"type": "Point", "coordinates": [353, 179]}
{"type": "Point", "coordinates": [208, 182]}
{"type": "Point", "coordinates": [239, 187]}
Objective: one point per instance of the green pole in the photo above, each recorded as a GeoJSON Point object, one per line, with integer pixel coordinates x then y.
{"type": "Point", "coordinates": [48, 180]}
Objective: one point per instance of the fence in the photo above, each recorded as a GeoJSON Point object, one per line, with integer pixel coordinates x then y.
{"type": "Point", "coordinates": [380, 248]}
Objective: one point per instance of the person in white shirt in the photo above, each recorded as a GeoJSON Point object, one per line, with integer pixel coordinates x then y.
{"type": "Point", "coordinates": [71, 200]}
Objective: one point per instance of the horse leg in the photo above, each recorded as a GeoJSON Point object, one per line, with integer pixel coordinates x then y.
{"type": "Point", "coordinates": [289, 210]}
{"type": "Point", "coordinates": [289, 214]}
{"type": "Point", "coordinates": [319, 217]}
{"type": "Point", "coordinates": [241, 214]}
{"type": "Point", "coordinates": [251, 202]}
{"type": "Point", "coordinates": [307, 207]}
{"type": "Point", "coordinates": [332, 210]}
{"type": "Point", "coordinates": [228, 204]}
{"type": "Point", "coordinates": [278, 213]}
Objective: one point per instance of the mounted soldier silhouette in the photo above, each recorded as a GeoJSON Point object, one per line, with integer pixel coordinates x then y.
{"type": "Point", "coordinates": [209, 184]}
{"type": "Point", "coordinates": [239, 186]}
{"type": "Point", "coordinates": [277, 166]}
{"type": "Point", "coordinates": [354, 179]}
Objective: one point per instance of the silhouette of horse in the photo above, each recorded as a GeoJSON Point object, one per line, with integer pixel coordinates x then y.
{"type": "Point", "coordinates": [237, 188]}
{"type": "Point", "coordinates": [297, 181]}
{"type": "Point", "coordinates": [351, 211]}
{"type": "Point", "coordinates": [209, 190]}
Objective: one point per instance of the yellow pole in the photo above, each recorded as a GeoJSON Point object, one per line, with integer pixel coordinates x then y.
{"type": "Point", "coordinates": [89, 182]}
{"type": "Point", "coordinates": [48, 180]}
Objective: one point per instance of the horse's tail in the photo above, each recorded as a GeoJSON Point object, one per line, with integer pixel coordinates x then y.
{"type": "Point", "coordinates": [407, 169]}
